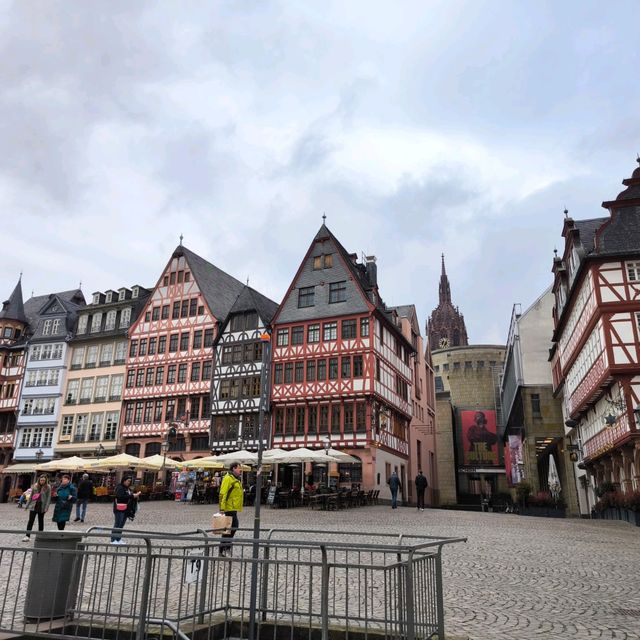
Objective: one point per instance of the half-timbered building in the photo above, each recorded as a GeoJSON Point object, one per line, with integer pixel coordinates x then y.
{"type": "Point", "coordinates": [169, 366]}
{"type": "Point", "coordinates": [92, 398]}
{"type": "Point", "coordinates": [240, 367]}
{"type": "Point", "coordinates": [341, 369]}
{"type": "Point", "coordinates": [596, 352]}
{"type": "Point", "coordinates": [13, 333]}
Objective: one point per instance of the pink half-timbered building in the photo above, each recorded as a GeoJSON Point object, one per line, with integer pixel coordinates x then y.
{"type": "Point", "coordinates": [169, 366]}
{"type": "Point", "coordinates": [596, 356]}
{"type": "Point", "coordinates": [341, 368]}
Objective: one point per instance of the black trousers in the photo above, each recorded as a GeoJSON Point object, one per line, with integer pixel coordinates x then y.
{"type": "Point", "coordinates": [420, 498]}
{"type": "Point", "coordinates": [225, 546]}
{"type": "Point", "coordinates": [32, 519]}
{"type": "Point", "coordinates": [61, 525]}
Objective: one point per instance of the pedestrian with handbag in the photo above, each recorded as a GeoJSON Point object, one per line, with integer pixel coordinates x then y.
{"type": "Point", "coordinates": [124, 506]}
{"type": "Point", "coordinates": [65, 497]}
{"type": "Point", "coordinates": [38, 504]}
{"type": "Point", "coordinates": [231, 502]}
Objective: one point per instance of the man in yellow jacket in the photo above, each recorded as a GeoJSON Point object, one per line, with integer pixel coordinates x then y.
{"type": "Point", "coordinates": [231, 502]}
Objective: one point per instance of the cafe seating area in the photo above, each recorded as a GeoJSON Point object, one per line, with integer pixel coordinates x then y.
{"type": "Point", "coordinates": [325, 499]}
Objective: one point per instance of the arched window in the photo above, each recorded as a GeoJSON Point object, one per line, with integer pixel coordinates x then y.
{"type": "Point", "coordinates": [133, 449]}
{"type": "Point", "coordinates": [456, 338]}
{"type": "Point", "coordinates": [152, 449]}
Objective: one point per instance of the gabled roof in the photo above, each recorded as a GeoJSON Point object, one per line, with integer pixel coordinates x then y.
{"type": "Point", "coordinates": [13, 308]}
{"type": "Point", "coordinates": [71, 300]}
{"type": "Point", "coordinates": [219, 289]}
{"type": "Point", "coordinates": [250, 299]}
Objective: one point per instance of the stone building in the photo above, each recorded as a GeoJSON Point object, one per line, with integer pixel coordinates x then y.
{"type": "Point", "coordinates": [446, 327]}
{"type": "Point", "coordinates": [533, 424]}
{"type": "Point", "coordinates": [468, 449]}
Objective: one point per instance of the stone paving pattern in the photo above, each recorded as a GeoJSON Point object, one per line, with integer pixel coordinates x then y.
{"type": "Point", "coordinates": [516, 577]}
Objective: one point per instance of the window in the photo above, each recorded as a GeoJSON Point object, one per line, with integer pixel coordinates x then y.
{"type": "Point", "coordinates": [82, 422]}
{"type": "Point", "coordinates": [46, 327]}
{"type": "Point", "coordinates": [282, 339]}
{"type": "Point", "coordinates": [297, 335]}
{"type": "Point", "coordinates": [82, 323]}
{"type": "Point", "coordinates": [535, 405]}
{"type": "Point", "coordinates": [162, 344]}
{"type": "Point", "coordinates": [111, 425]}
{"type": "Point", "coordinates": [131, 376]}
{"type": "Point", "coordinates": [133, 349]}
{"type": "Point", "coordinates": [288, 372]}
{"type": "Point", "coordinates": [277, 374]}
{"type": "Point", "coordinates": [208, 337]}
{"type": "Point", "coordinates": [135, 292]}
{"type": "Point", "coordinates": [106, 354]}
{"type": "Point", "coordinates": [197, 339]}
{"type": "Point", "coordinates": [206, 370]}
{"type": "Point", "coordinates": [348, 329]}
{"type": "Point", "coordinates": [148, 380]}
{"type": "Point", "coordinates": [116, 387]}
{"type": "Point", "coordinates": [324, 261]}
{"type": "Point", "coordinates": [148, 412]}
{"type": "Point", "coordinates": [110, 320]}
{"type": "Point", "coordinates": [121, 350]}
{"type": "Point", "coordinates": [348, 417]}
{"type": "Point", "coordinates": [55, 327]}
{"type": "Point", "coordinates": [346, 366]}
{"type": "Point", "coordinates": [184, 309]}
{"type": "Point", "coordinates": [175, 313]}
{"type": "Point", "coordinates": [306, 297]}
{"type": "Point", "coordinates": [140, 378]}
{"type": "Point", "coordinates": [324, 418]}
{"type": "Point", "coordinates": [184, 341]}
{"type": "Point", "coordinates": [125, 317]}
{"type": "Point", "coordinates": [159, 375]}
{"type": "Point", "coordinates": [182, 372]}
{"type": "Point", "coordinates": [358, 368]}
{"type": "Point", "coordinates": [173, 343]}
{"type": "Point", "coordinates": [67, 426]}
{"type": "Point", "coordinates": [157, 411]}
{"type": "Point", "coordinates": [337, 291]}
{"type": "Point", "coordinates": [102, 385]}
{"type": "Point", "coordinates": [633, 271]}
{"type": "Point", "coordinates": [322, 369]}
{"type": "Point", "coordinates": [236, 354]}
{"type": "Point", "coordinates": [329, 331]}
{"type": "Point", "coordinates": [193, 307]}
{"type": "Point", "coordinates": [77, 358]}
{"type": "Point", "coordinates": [95, 429]}
{"type": "Point", "coordinates": [96, 321]}
{"type": "Point", "coordinates": [155, 314]}
{"type": "Point", "coordinates": [92, 356]}
{"type": "Point", "coordinates": [335, 418]}
{"type": "Point", "coordinates": [313, 333]}
{"type": "Point", "coordinates": [364, 327]}
{"type": "Point", "coordinates": [311, 371]}
{"type": "Point", "coordinates": [257, 351]}
{"type": "Point", "coordinates": [299, 375]}
{"type": "Point", "coordinates": [180, 276]}
{"type": "Point", "coordinates": [312, 418]}
{"type": "Point", "coordinates": [361, 417]}
{"type": "Point", "coordinates": [195, 371]}
{"type": "Point", "coordinates": [467, 364]}
{"type": "Point", "coordinates": [153, 342]}
{"type": "Point", "coordinates": [86, 389]}
{"type": "Point", "coordinates": [171, 374]}
{"type": "Point", "coordinates": [165, 312]}
{"type": "Point", "coordinates": [147, 316]}
{"type": "Point", "coordinates": [333, 368]}
{"type": "Point", "coordinates": [439, 384]}
{"type": "Point", "coordinates": [142, 347]}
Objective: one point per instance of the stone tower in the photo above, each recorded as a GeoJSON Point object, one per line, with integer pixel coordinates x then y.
{"type": "Point", "coordinates": [446, 327]}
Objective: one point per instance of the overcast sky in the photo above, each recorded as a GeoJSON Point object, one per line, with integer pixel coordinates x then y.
{"type": "Point", "coordinates": [419, 128]}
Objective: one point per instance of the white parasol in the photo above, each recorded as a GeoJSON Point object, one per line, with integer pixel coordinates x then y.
{"type": "Point", "coordinates": [554, 478]}
{"type": "Point", "coordinates": [124, 461]}
{"type": "Point", "coordinates": [72, 463]}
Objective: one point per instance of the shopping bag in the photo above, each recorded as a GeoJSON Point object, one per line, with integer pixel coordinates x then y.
{"type": "Point", "coordinates": [220, 523]}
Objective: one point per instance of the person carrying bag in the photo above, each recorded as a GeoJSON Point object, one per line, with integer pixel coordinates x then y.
{"type": "Point", "coordinates": [231, 503]}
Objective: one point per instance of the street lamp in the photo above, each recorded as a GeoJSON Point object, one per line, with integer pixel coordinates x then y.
{"type": "Point", "coordinates": [164, 448]}
{"type": "Point", "coordinates": [326, 443]}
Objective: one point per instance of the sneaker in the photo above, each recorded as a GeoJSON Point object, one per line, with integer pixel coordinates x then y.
{"type": "Point", "coordinates": [26, 539]}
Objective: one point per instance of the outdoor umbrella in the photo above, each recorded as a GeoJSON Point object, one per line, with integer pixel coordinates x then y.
{"type": "Point", "coordinates": [301, 456]}
{"type": "Point", "coordinates": [73, 463]}
{"type": "Point", "coordinates": [341, 456]}
{"type": "Point", "coordinates": [554, 478]}
{"type": "Point", "coordinates": [210, 462]}
{"type": "Point", "coordinates": [124, 461]}
{"type": "Point", "coordinates": [161, 461]}
{"type": "Point", "coordinates": [243, 456]}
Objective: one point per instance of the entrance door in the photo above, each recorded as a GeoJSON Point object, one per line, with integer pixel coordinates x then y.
{"type": "Point", "coordinates": [6, 487]}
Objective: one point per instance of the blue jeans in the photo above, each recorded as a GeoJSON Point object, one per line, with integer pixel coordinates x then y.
{"type": "Point", "coordinates": [81, 508]}
{"type": "Point", "coordinates": [120, 520]}
{"type": "Point", "coordinates": [394, 498]}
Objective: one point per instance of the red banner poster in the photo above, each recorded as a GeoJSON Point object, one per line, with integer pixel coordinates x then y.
{"type": "Point", "coordinates": [479, 438]}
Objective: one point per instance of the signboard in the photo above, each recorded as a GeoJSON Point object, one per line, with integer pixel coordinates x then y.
{"type": "Point", "coordinates": [271, 496]}
{"type": "Point", "coordinates": [193, 567]}
{"type": "Point", "coordinates": [513, 461]}
{"type": "Point", "coordinates": [479, 437]}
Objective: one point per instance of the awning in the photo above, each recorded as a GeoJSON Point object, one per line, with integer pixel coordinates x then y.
{"type": "Point", "coordinates": [20, 467]}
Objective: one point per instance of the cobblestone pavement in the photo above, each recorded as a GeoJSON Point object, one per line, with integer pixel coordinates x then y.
{"type": "Point", "coordinates": [516, 577]}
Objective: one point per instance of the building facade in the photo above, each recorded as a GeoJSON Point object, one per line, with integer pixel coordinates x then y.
{"type": "Point", "coordinates": [92, 397]}
{"type": "Point", "coordinates": [469, 456]}
{"type": "Point", "coordinates": [533, 424]}
{"type": "Point", "coordinates": [169, 365]}
{"type": "Point", "coordinates": [596, 351]}
{"type": "Point", "coordinates": [241, 364]}
{"type": "Point", "coordinates": [52, 320]}
{"type": "Point", "coordinates": [13, 335]}
{"type": "Point", "coordinates": [446, 327]}
{"type": "Point", "coordinates": [341, 368]}
{"type": "Point", "coordinates": [422, 444]}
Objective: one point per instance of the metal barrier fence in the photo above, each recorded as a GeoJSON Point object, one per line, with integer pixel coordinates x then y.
{"type": "Point", "coordinates": [309, 584]}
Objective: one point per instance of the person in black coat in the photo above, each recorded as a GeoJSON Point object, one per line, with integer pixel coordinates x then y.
{"type": "Point", "coordinates": [124, 506]}
{"type": "Point", "coordinates": [85, 491]}
{"type": "Point", "coordinates": [421, 485]}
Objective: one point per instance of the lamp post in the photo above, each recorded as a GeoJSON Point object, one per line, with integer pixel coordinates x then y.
{"type": "Point", "coordinates": [164, 447]}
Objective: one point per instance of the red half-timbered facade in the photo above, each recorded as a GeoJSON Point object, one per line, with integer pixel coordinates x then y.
{"type": "Point", "coordinates": [13, 329]}
{"type": "Point", "coordinates": [596, 355]}
{"type": "Point", "coordinates": [169, 365]}
{"type": "Point", "coordinates": [341, 368]}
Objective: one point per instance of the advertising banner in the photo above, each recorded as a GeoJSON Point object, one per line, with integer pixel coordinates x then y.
{"type": "Point", "coordinates": [513, 461]}
{"type": "Point", "coordinates": [479, 438]}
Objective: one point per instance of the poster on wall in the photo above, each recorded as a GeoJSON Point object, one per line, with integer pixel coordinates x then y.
{"type": "Point", "coordinates": [513, 461]}
{"type": "Point", "coordinates": [479, 437]}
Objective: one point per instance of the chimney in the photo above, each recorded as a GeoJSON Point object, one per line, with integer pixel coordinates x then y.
{"type": "Point", "coordinates": [372, 270]}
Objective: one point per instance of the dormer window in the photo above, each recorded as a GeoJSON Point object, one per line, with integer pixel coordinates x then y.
{"type": "Point", "coordinates": [109, 296]}
{"type": "Point", "coordinates": [121, 294]}
{"type": "Point", "coordinates": [96, 298]}
{"type": "Point", "coordinates": [135, 291]}
{"type": "Point", "coordinates": [55, 327]}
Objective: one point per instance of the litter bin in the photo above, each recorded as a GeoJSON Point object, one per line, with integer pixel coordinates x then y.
{"type": "Point", "coordinates": [53, 579]}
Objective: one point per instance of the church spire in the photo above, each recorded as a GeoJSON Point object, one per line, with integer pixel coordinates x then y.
{"type": "Point", "coordinates": [445, 289]}
{"type": "Point", "coordinates": [13, 308]}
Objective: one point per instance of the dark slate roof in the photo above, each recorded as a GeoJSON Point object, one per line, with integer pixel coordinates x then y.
{"type": "Point", "coordinates": [249, 299]}
{"type": "Point", "coordinates": [219, 289]}
{"type": "Point", "coordinates": [72, 300]}
{"type": "Point", "coordinates": [13, 308]}
{"type": "Point", "coordinates": [587, 230]}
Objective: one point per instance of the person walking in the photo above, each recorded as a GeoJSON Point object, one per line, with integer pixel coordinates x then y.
{"type": "Point", "coordinates": [421, 485]}
{"type": "Point", "coordinates": [65, 497]}
{"type": "Point", "coordinates": [394, 485]}
{"type": "Point", "coordinates": [39, 501]}
{"type": "Point", "coordinates": [85, 491]}
{"type": "Point", "coordinates": [124, 506]}
{"type": "Point", "coordinates": [231, 502]}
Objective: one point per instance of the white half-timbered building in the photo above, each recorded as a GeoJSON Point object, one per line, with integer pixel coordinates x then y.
{"type": "Point", "coordinates": [596, 353]}
{"type": "Point", "coordinates": [238, 372]}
